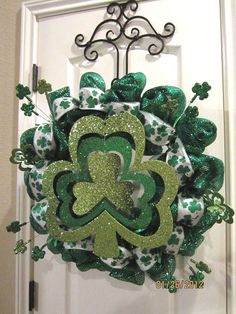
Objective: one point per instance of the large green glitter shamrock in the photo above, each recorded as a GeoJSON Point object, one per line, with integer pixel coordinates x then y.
{"type": "Point", "coordinates": [139, 218]}
{"type": "Point", "coordinates": [105, 226]}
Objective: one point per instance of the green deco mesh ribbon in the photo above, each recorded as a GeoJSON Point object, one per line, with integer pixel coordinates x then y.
{"type": "Point", "coordinates": [119, 178]}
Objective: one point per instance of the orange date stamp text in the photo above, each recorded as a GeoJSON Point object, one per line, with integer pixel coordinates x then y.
{"type": "Point", "coordinates": [180, 284]}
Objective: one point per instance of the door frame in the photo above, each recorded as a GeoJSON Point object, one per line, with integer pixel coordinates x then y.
{"type": "Point", "coordinates": [31, 12]}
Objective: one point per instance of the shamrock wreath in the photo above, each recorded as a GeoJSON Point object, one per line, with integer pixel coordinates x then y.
{"type": "Point", "coordinates": [119, 179]}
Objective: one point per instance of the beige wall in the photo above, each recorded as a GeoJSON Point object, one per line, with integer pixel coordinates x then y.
{"type": "Point", "coordinates": [9, 65]}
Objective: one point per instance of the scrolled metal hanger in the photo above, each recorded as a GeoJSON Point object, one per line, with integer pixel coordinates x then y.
{"type": "Point", "coordinates": [120, 19]}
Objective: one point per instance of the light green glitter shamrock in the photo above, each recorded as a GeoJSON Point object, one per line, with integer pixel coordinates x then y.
{"type": "Point", "coordinates": [43, 87]}
{"type": "Point", "coordinates": [20, 247]}
{"type": "Point", "coordinates": [105, 227]}
{"type": "Point", "coordinates": [215, 204]}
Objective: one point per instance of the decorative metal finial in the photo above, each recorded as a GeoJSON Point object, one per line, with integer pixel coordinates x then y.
{"type": "Point", "coordinates": [121, 28]}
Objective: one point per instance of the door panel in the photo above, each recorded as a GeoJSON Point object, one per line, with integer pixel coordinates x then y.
{"type": "Point", "coordinates": [194, 55]}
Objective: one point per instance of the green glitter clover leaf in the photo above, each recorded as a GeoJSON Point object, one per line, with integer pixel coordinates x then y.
{"type": "Point", "coordinates": [23, 157]}
{"type": "Point", "coordinates": [15, 226]}
{"type": "Point", "coordinates": [105, 227]}
{"type": "Point", "coordinates": [201, 91]}
{"type": "Point", "coordinates": [43, 87]}
{"type": "Point", "coordinates": [21, 246]}
{"type": "Point", "coordinates": [197, 277]}
{"type": "Point", "coordinates": [203, 267]}
{"type": "Point", "coordinates": [28, 109]}
{"type": "Point", "coordinates": [37, 253]}
{"type": "Point", "coordinates": [17, 156]}
{"type": "Point", "coordinates": [22, 91]}
{"type": "Point", "coordinates": [215, 205]}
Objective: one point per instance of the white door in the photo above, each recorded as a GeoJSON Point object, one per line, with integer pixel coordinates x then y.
{"type": "Point", "coordinates": [193, 55]}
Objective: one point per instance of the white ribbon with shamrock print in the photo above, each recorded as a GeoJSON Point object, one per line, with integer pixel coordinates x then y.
{"type": "Point", "coordinates": [36, 178]}
{"type": "Point", "coordinates": [145, 259]}
{"type": "Point", "coordinates": [119, 262]}
{"type": "Point", "coordinates": [62, 105]}
{"type": "Point", "coordinates": [38, 213]}
{"type": "Point", "coordinates": [179, 160]}
{"type": "Point", "coordinates": [87, 245]}
{"type": "Point", "coordinates": [44, 142]}
{"type": "Point", "coordinates": [175, 241]}
{"type": "Point", "coordinates": [190, 210]}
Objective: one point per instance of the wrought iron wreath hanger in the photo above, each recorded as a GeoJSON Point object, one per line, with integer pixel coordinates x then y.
{"type": "Point", "coordinates": [122, 22]}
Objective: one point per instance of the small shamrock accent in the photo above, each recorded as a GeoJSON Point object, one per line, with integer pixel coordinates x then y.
{"type": "Point", "coordinates": [203, 267]}
{"type": "Point", "coordinates": [173, 240]}
{"type": "Point", "coordinates": [22, 91]}
{"type": "Point", "coordinates": [65, 104]}
{"type": "Point", "coordinates": [169, 283]}
{"type": "Point", "coordinates": [20, 247]}
{"type": "Point", "coordinates": [174, 148]}
{"type": "Point", "coordinates": [201, 91]}
{"type": "Point", "coordinates": [17, 156]}
{"type": "Point", "coordinates": [197, 277]}
{"type": "Point", "coordinates": [215, 205]}
{"type": "Point", "coordinates": [15, 226]}
{"type": "Point", "coordinates": [42, 142]}
{"type": "Point", "coordinates": [183, 169]}
{"type": "Point", "coordinates": [28, 109]}
{"type": "Point", "coordinates": [194, 206]}
{"type": "Point", "coordinates": [37, 253]}
{"type": "Point", "coordinates": [24, 157]}
{"type": "Point", "coordinates": [149, 130]}
{"type": "Point", "coordinates": [192, 112]}
{"type": "Point", "coordinates": [135, 111]}
{"type": "Point", "coordinates": [43, 87]}
{"type": "Point", "coordinates": [92, 102]}
{"type": "Point", "coordinates": [146, 260]}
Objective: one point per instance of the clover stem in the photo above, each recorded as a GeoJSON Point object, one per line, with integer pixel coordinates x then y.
{"type": "Point", "coordinates": [193, 99]}
{"type": "Point", "coordinates": [36, 113]}
{"type": "Point", "coordinates": [43, 246]}
{"type": "Point", "coordinates": [192, 270]}
{"type": "Point", "coordinates": [23, 224]}
{"type": "Point", "coordinates": [187, 262]}
{"type": "Point", "coordinates": [193, 261]}
{"type": "Point", "coordinates": [177, 120]}
{"type": "Point", "coordinates": [30, 100]}
{"type": "Point", "coordinates": [43, 113]}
